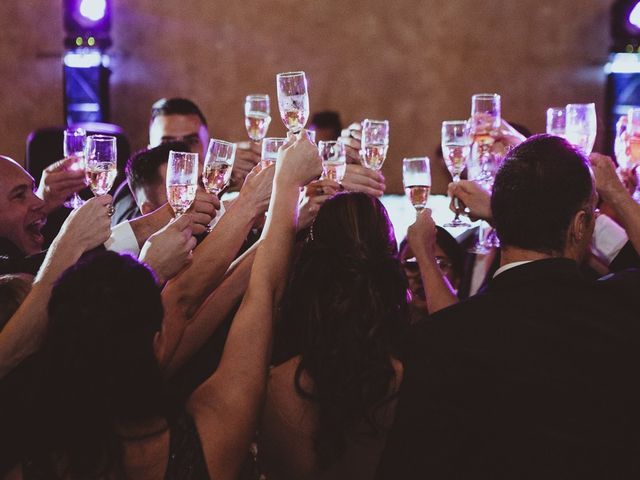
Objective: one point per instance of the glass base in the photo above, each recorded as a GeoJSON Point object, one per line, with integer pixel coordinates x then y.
{"type": "Point", "coordinates": [456, 223]}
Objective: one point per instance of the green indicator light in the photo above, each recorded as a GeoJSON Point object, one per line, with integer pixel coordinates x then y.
{"type": "Point", "coordinates": [79, 41]}
{"type": "Point", "coordinates": [91, 41]}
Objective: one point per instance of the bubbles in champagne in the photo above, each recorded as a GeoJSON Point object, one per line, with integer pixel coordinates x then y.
{"type": "Point", "coordinates": [216, 176]}
{"type": "Point", "coordinates": [335, 171]}
{"type": "Point", "coordinates": [456, 156]}
{"type": "Point", "coordinates": [294, 111]}
{"type": "Point", "coordinates": [257, 124]}
{"type": "Point", "coordinates": [373, 156]}
{"type": "Point", "coordinates": [100, 177]}
{"type": "Point", "coordinates": [181, 196]}
{"type": "Point", "coordinates": [418, 195]}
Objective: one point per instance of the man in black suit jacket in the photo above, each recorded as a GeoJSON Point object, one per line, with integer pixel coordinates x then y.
{"type": "Point", "coordinates": [535, 377]}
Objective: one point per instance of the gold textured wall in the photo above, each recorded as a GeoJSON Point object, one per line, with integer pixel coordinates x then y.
{"type": "Point", "coordinates": [414, 62]}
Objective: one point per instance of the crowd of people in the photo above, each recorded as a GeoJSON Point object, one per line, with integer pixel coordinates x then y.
{"type": "Point", "coordinates": [295, 340]}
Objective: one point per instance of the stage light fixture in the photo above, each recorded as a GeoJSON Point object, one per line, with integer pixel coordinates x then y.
{"type": "Point", "coordinates": [625, 25]}
{"type": "Point", "coordinates": [93, 10]}
{"type": "Point", "coordinates": [87, 19]}
{"type": "Point", "coordinates": [85, 63]}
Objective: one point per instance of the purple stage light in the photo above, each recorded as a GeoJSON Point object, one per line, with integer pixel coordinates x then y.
{"type": "Point", "coordinates": [93, 10]}
{"type": "Point", "coordinates": [634, 16]}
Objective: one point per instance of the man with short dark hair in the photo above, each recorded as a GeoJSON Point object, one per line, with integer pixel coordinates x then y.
{"type": "Point", "coordinates": [180, 120]}
{"type": "Point", "coordinates": [535, 377]}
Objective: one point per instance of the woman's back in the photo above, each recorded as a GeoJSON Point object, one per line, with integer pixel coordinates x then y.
{"type": "Point", "coordinates": [289, 423]}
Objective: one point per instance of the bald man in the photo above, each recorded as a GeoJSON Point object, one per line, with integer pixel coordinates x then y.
{"type": "Point", "coordinates": [22, 212]}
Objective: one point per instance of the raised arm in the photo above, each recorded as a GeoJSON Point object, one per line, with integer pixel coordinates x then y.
{"type": "Point", "coordinates": [616, 196]}
{"type": "Point", "coordinates": [213, 311]}
{"type": "Point", "coordinates": [185, 293]}
{"type": "Point", "coordinates": [84, 229]}
{"type": "Point", "coordinates": [226, 406]}
{"type": "Point", "coordinates": [422, 239]}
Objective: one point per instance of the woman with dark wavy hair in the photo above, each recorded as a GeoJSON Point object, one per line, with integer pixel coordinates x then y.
{"type": "Point", "coordinates": [331, 400]}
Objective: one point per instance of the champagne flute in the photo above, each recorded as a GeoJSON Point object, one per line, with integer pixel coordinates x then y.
{"type": "Point", "coordinates": [101, 164]}
{"type": "Point", "coordinates": [270, 147]}
{"type": "Point", "coordinates": [375, 143]}
{"type": "Point", "coordinates": [334, 160]}
{"type": "Point", "coordinates": [416, 177]}
{"type": "Point", "coordinates": [182, 180]}
{"type": "Point", "coordinates": [257, 116]}
{"type": "Point", "coordinates": [557, 121]}
{"type": "Point", "coordinates": [73, 146]}
{"type": "Point", "coordinates": [582, 126]}
{"type": "Point", "coordinates": [293, 100]}
{"type": "Point", "coordinates": [486, 117]}
{"type": "Point", "coordinates": [456, 148]}
{"type": "Point", "coordinates": [218, 164]}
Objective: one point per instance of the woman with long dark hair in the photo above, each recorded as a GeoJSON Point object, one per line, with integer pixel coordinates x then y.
{"type": "Point", "coordinates": [105, 412]}
{"type": "Point", "coordinates": [330, 400]}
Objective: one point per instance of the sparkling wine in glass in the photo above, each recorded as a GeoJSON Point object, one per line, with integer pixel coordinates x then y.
{"type": "Point", "coordinates": [375, 143]}
{"type": "Point", "coordinates": [293, 100]}
{"type": "Point", "coordinates": [456, 148]}
{"type": "Point", "coordinates": [270, 147]}
{"type": "Point", "coordinates": [334, 160]}
{"type": "Point", "coordinates": [486, 117]}
{"type": "Point", "coordinates": [73, 146]}
{"type": "Point", "coordinates": [416, 177]}
{"type": "Point", "coordinates": [581, 126]}
{"type": "Point", "coordinates": [557, 121]}
{"type": "Point", "coordinates": [101, 164]}
{"type": "Point", "coordinates": [218, 165]}
{"type": "Point", "coordinates": [257, 116]}
{"type": "Point", "coordinates": [182, 180]}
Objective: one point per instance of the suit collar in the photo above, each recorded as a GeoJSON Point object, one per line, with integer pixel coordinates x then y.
{"type": "Point", "coordinates": [548, 270]}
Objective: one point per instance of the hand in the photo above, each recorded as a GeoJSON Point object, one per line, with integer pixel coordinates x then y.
{"type": "Point", "coordinates": [298, 161]}
{"type": "Point", "coordinates": [257, 187]}
{"type": "Point", "coordinates": [89, 225]}
{"type": "Point", "coordinates": [604, 171]}
{"type": "Point", "coordinates": [358, 178]}
{"type": "Point", "coordinates": [506, 138]}
{"type": "Point", "coordinates": [247, 157]}
{"type": "Point", "coordinates": [59, 181]}
{"type": "Point", "coordinates": [169, 250]}
{"type": "Point", "coordinates": [202, 211]}
{"type": "Point", "coordinates": [316, 193]}
{"type": "Point", "coordinates": [350, 138]}
{"type": "Point", "coordinates": [422, 236]}
{"type": "Point", "coordinates": [476, 198]}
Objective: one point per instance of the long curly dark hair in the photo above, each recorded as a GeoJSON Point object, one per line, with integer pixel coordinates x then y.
{"type": "Point", "coordinates": [99, 366]}
{"type": "Point", "coordinates": [345, 308]}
